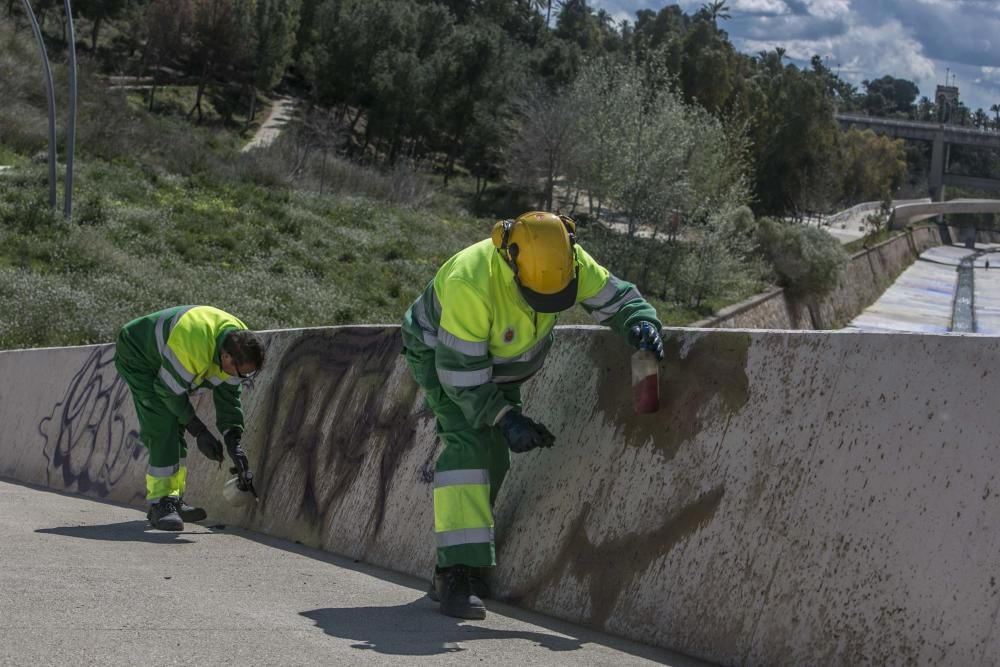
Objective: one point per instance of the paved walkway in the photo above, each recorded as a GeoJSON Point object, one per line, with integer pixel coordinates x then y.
{"type": "Point", "coordinates": [86, 582]}
{"type": "Point", "coordinates": [281, 113]}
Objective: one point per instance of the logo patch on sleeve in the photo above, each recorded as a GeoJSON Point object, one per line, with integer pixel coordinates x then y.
{"type": "Point", "coordinates": [508, 334]}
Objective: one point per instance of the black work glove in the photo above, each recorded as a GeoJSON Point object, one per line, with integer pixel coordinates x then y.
{"type": "Point", "coordinates": [547, 438]}
{"type": "Point", "coordinates": [208, 444]}
{"type": "Point", "coordinates": [522, 434]}
{"type": "Point", "coordinates": [234, 447]}
{"type": "Point", "coordinates": [645, 336]}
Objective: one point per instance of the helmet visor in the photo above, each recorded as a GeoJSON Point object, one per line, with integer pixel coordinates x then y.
{"type": "Point", "coordinates": [562, 300]}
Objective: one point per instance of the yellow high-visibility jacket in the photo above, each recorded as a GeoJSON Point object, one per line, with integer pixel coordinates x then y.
{"type": "Point", "coordinates": [179, 349]}
{"type": "Point", "coordinates": [483, 334]}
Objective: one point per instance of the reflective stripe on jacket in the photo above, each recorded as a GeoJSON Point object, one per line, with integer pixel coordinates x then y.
{"type": "Point", "coordinates": [180, 348]}
{"type": "Point", "coordinates": [472, 318]}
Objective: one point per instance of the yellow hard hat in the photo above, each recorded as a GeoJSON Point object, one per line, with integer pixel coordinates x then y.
{"type": "Point", "coordinates": [538, 247]}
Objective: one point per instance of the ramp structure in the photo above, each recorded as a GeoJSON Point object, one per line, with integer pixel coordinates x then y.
{"type": "Point", "coordinates": [800, 498]}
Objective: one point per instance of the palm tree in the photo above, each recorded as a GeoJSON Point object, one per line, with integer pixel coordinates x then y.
{"type": "Point", "coordinates": [716, 10]}
{"type": "Point", "coordinates": [545, 5]}
{"type": "Point", "coordinates": [995, 108]}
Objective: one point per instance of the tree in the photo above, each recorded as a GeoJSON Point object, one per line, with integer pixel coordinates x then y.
{"type": "Point", "coordinates": [275, 26]}
{"type": "Point", "coordinates": [715, 10]}
{"type": "Point", "coordinates": [475, 87]}
{"type": "Point", "coordinates": [576, 23]}
{"type": "Point", "coordinates": [99, 11]}
{"type": "Point", "coordinates": [544, 138]}
{"type": "Point", "coordinates": [980, 119]}
{"type": "Point", "coordinates": [669, 171]}
{"type": "Point", "coordinates": [871, 165]}
{"type": "Point", "coordinates": [888, 95]}
{"type": "Point", "coordinates": [167, 22]}
{"type": "Point", "coordinates": [791, 126]}
{"type": "Point", "coordinates": [706, 72]}
{"type": "Point", "coordinates": [808, 262]}
{"type": "Point", "coordinates": [222, 40]}
{"type": "Point", "coordinates": [925, 109]}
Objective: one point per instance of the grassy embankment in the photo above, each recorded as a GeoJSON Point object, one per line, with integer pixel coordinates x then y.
{"type": "Point", "coordinates": [167, 212]}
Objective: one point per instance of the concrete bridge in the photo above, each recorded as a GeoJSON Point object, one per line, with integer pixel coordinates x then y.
{"type": "Point", "coordinates": [908, 213]}
{"type": "Point", "coordinates": [941, 137]}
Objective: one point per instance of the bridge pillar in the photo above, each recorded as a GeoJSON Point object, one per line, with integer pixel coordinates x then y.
{"type": "Point", "coordinates": [935, 179]}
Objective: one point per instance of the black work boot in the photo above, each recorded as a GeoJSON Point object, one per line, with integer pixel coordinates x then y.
{"type": "Point", "coordinates": [189, 513]}
{"type": "Point", "coordinates": [477, 583]}
{"type": "Point", "coordinates": [164, 514]}
{"type": "Point", "coordinates": [455, 594]}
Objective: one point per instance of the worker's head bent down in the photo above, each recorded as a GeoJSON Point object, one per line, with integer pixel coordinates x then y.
{"type": "Point", "coordinates": [538, 247]}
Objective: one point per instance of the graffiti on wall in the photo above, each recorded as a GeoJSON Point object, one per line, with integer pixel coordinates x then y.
{"type": "Point", "coordinates": [332, 429]}
{"type": "Point", "coordinates": [89, 436]}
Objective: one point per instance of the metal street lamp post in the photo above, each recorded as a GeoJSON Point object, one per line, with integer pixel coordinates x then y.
{"type": "Point", "coordinates": [50, 94]}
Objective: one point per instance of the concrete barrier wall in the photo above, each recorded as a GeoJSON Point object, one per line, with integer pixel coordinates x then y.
{"type": "Point", "coordinates": [869, 273]}
{"type": "Point", "coordinates": [801, 497]}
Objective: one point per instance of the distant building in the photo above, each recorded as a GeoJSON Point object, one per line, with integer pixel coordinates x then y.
{"type": "Point", "coordinates": [946, 98]}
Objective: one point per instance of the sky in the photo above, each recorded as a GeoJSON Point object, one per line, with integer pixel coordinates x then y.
{"type": "Point", "coordinates": [924, 41]}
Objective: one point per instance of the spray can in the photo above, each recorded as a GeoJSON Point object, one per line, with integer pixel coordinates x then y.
{"type": "Point", "coordinates": [235, 496]}
{"type": "Point", "coordinates": [645, 382]}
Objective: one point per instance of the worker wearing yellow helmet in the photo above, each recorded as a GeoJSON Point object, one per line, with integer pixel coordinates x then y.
{"type": "Point", "coordinates": [479, 330]}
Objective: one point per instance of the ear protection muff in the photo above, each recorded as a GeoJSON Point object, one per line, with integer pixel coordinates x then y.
{"type": "Point", "coordinates": [501, 241]}
{"type": "Point", "coordinates": [501, 234]}
{"type": "Point", "coordinates": [570, 226]}
{"type": "Point", "coordinates": [502, 230]}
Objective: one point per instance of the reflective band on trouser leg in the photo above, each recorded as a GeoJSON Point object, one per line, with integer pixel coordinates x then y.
{"type": "Point", "coordinates": [159, 432]}
{"type": "Point", "coordinates": [463, 474]}
{"type": "Point", "coordinates": [164, 481]}
{"type": "Point", "coordinates": [463, 520]}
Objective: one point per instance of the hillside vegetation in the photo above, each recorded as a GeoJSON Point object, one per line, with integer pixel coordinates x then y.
{"type": "Point", "coordinates": [338, 222]}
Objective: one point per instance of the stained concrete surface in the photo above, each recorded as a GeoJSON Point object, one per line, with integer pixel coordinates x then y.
{"type": "Point", "coordinates": [801, 498]}
{"type": "Point", "coordinates": [87, 582]}
{"type": "Point", "coordinates": [987, 283]}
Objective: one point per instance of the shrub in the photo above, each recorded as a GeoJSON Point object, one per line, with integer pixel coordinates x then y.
{"type": "Point", "coordinates": [808, 261]}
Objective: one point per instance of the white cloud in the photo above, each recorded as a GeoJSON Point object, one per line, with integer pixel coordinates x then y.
{"type": "Point", "coordinates": [863, 52]}
{"type": "Point", "coordinates": [910, 39]}
{"type": "Point", "coordinates": [758, 6]}
{"type": "Point", "coordinates": [829, 9]}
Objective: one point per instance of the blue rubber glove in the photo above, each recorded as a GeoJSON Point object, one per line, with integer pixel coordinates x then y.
{"type": "Point", "coordinates": [645, 336]}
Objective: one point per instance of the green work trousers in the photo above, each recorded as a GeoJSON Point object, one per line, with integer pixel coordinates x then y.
{"type": "Point", "coordinates": [467, 475]}
{"type": "Point", "coordinates": [159, 432]}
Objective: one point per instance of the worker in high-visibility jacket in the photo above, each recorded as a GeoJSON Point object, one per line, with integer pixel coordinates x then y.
{"type": "Point", "coordinates": [164, 357]}
{"type": "Point", "coordinates": [479, 330]}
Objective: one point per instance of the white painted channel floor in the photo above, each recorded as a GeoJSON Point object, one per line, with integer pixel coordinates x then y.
{"type": "Point", "coordinates": [86, 582]}
{"type": "Point", "coordinates": [922, 298]}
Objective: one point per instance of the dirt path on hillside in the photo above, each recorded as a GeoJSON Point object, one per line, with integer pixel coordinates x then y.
{"type": "Point", "coordinates": [281, 113]}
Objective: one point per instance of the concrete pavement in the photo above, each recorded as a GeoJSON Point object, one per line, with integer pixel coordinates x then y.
{"type": "Point", "coordinates": [87, 582]}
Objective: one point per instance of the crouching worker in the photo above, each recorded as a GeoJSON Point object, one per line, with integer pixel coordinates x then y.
{"type": "Point", "coordinates": [165, 356]}
{"type": "Point", "coordinates": [479, 330]}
